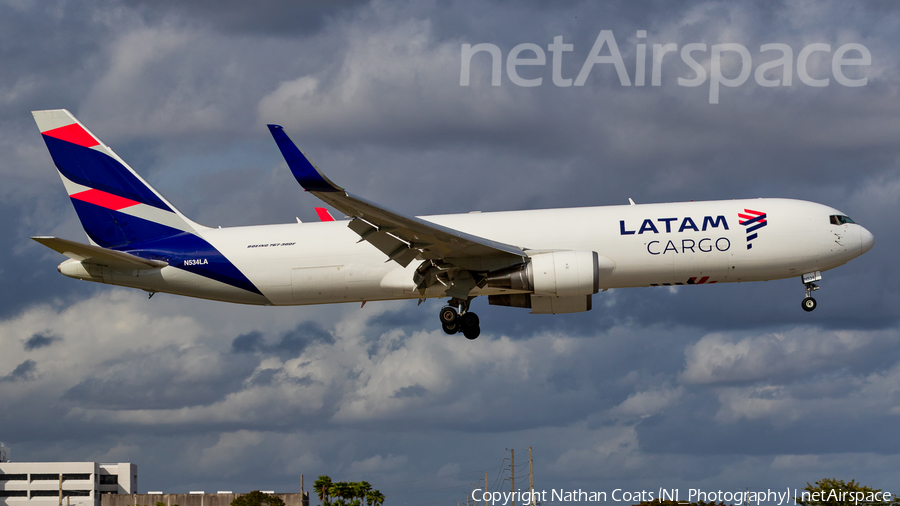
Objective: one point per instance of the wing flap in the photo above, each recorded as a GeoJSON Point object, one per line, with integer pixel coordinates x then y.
{"type": "Point", "coordinates": [387, 230]}
{"type": "Point", "coordinates": [97, 255]}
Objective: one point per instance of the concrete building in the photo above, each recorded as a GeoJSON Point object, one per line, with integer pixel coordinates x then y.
{"type": "Point", "coordinates": [77, 483]}
{"type": "Point", "coordinates": [96, 484]}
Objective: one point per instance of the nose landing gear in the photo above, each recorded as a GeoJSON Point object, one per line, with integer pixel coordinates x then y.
{"type": "Point", "coordinates": [809, 303]}
{"type": "Point", "coordinates": [453, 321]}
{"type": "Point", "coordinates": [809, 279]}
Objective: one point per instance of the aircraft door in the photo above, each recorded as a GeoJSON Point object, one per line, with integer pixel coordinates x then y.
{"type": "Point", "coordinates": [319, 284]}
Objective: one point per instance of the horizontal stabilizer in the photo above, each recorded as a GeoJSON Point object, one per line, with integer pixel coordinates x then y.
{"type": "Point", "coordinates": [97, 255]}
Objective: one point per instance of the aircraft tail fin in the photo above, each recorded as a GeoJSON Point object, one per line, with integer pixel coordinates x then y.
{"type": "Point", "coordinates": [115, 205]}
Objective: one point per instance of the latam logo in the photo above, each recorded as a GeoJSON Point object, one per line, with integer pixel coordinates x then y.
{"type": "Point", "coordinates": [685, 224]}
{"type": "Point", "coordinates": [753, 220]}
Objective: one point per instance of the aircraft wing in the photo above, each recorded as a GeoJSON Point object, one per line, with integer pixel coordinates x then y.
{"type": "Point", "coordinates": [97, 255]}
{"type": "Point", "coordinates": [402, 238]}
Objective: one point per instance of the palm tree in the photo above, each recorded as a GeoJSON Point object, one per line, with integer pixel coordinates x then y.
{"type": "Point", "coordinates": [343, 491]}
{"type": "Point", "coordinates": [374, 498]}
{"type": "Point", "coordinates": [322, 486]}
{"type": "Point", "coordinates": [360, 489]}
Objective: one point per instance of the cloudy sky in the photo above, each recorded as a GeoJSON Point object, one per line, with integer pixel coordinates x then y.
{"type": "Point", "coordinates": [721, 387]}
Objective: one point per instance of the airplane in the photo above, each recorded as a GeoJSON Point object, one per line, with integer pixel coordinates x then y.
{"type": "Point", "coordinates": [550, 261]}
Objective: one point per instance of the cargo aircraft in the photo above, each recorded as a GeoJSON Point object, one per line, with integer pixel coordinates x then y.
{"type": "Point", "coordinates": [550, 260]}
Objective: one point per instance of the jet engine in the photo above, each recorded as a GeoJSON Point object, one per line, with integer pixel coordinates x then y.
{"type": "Point", "coordinates": [556, 273]}
{"type": "Point", "coordinates": [559, 281]}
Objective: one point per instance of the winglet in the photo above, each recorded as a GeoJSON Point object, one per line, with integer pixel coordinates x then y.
{"type": "Point", "coordinates": [309, 177]}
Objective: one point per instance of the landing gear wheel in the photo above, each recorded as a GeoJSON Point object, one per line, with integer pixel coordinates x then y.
{"type": "Point", "coordinates": [448, 315]}
{"type": "Point", "coordinates": [461, 320]}
{"type": "Point", "coordinates": [469, 320]}
{"type": "Point", "coordinates": [809, 304]}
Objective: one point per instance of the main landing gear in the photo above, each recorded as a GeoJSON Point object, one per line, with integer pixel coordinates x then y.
{"type": "Point", "coordinates": [453, 321]}
{"type": "Point", "coordinates": [809, 279]}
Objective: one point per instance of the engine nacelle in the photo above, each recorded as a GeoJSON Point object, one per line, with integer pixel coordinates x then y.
{"type": "Point", "coordinates": [556, 274]}
{"type": "Point", "coordinates": [566, 273]}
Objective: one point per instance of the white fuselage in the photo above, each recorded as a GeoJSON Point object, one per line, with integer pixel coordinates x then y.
{"type": "Point", "coordinates": [651, 244]}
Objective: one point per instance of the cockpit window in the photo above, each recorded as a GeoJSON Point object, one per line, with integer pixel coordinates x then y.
{"type": "Point", "coordinates": [837, 219]}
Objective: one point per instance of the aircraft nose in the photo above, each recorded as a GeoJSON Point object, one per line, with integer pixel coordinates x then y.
{"type": "Point", "coordinates": [866, 240]}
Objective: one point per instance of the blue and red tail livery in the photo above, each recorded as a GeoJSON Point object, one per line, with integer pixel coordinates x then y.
{"type": "Point", "coordinates": [122, 212]}
{"type": "Point", "coordinates": [115, 205]}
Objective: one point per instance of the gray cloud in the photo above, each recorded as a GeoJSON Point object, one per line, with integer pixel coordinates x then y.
{"type": "Point", "coordinates": [169, 378]}
{"type": "Point", "coordinates": [416, 390]}
{"type": "Point", "coordinates": [716, 359]}
{"type": "Point", "coordinates": [23, 372]}
{"type": "Point", "coordinates": [40, 341]}
{"type": "Point", "coordinates": [291, 344]}
{"type": "Point", "coordinates": [262, 18]}
{"type": "Point", "coordinates": [247, 343]}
